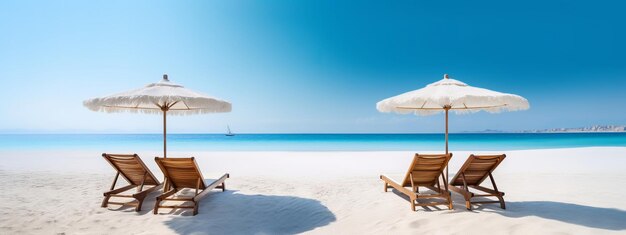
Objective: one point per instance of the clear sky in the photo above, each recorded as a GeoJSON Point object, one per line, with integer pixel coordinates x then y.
{"type": "Point", "coordinates": [310, 66]}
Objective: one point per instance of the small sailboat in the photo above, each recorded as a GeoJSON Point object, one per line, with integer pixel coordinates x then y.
{"type": "Point", "coordinates": [230, 133]}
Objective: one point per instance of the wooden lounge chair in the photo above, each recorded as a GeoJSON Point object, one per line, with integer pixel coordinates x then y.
{"type": "Point", "coordinates": [183, 173]}
{"type": "Point", "coordinates": [424, 171]}
{"type": "Point", "coordinates": [135, 172]}
{"type": "Point", "coordinates": [473, 172]}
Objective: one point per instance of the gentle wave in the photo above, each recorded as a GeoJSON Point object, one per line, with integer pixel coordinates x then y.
{"type": "Point", "coordinates": [308, 142]}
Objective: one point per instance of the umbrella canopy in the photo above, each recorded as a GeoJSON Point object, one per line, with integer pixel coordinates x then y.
{"type": "Point", "coordinates": [163, 97]}
{"type": "Point", "coordinates": [450, 94]}
{"type": "Point", "coordinates": [156, 97]}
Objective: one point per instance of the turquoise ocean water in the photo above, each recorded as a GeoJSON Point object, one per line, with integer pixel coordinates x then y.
{"type": "Point", "coordinates": [306, 142]}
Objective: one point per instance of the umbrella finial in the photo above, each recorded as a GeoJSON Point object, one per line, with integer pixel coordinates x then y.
{"type": "Point", "coordinates": [445, 76]}
{"type": "Point", "coordinates": [165, 77]}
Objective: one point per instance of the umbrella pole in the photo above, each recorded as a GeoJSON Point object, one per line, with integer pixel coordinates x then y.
{"type": "Point", "coordinates": [447, 108]}
{"type": "Point", "coordinates": [164, 133]}
{"type": "Point", "coordinates": [446, 131]}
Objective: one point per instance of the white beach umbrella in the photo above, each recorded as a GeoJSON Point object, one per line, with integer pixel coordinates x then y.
{"type": "Point", "coordinates": [163, 97]}
{"type": "Point", "coordinates": [450, 94]}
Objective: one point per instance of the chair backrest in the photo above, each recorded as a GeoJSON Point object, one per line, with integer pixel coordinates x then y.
{"type": "Point", "coordinates": [132, 168]}
{"type": "Point", "coordinates": [181, 172]}
{"type": "Point", "coordinates": [426, 169]}
{"type": "Point", "coordinates": [477, 168]}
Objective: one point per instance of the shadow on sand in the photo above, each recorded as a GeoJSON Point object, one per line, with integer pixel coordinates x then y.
{"type": "Point", "coordinates": [422, 200]}
{"type": "Point", "coordinates": [588, 216]}
{"type": "Point", "coordinates": [232, 213]}
{"type": "Point", "coordinates": [148, 205]}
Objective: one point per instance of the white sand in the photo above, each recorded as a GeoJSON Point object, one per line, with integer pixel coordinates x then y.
{"type": "Point", "coordinates": [570, 191]}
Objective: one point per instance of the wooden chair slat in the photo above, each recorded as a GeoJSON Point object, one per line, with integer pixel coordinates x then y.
{"type": "Point", "coordinates": [184, 173]}
{"type": "Point", "coordinates": [136, 173]}
{"type": "Point", "coordinates": [424, 171]}
{"type": "Point", "coordinates": [473, 172]}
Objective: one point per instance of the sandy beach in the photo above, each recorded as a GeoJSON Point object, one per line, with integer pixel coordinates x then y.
{"type": "Point", "coordinates": [565, 191]}
{"type": "Point", "coordinates": [303, 116]}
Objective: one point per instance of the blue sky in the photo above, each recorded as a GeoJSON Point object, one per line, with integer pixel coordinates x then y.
{"type": "Point", "coordinates": [310, 66]}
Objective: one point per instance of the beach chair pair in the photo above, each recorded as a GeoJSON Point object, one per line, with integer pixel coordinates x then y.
{"type": "Point", "coordinates": [427, 171]}
{"type": "Point", "coordinates": [180, 173]}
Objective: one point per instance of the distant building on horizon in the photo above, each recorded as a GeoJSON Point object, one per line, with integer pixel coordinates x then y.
{"type": "Point", "coordinates": [595, 128]}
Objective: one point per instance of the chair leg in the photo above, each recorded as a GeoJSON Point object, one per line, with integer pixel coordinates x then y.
{"type": "Point", "coordinates": [495, 188]}
{"type": "Point", "coordinates": [105, 202]}
{"type": "Point", "coordinates": [156, 206]}
{"type": "Point", "coordinates": [139, 203]}
{"type": "Point", "coordinates": [450, 201]}
{"type": "Point", "coordinates": [195, 208]}
{"type": "Point", "coordinates": [502, 205]}
{"type": "Point", "coordinates": [413, 205]}
{"type": "Point", "coordinates": [386, 186]}
{"type": "Point", "coordinates": [139, 199]}
{"type": "Point", "coordinates": [223, 186]}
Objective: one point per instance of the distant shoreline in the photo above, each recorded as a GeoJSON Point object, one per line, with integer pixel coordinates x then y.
{"type": "Point", "coordinates": [310, 142]}
{"type": "Point", "coordinates": [578, 130]}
